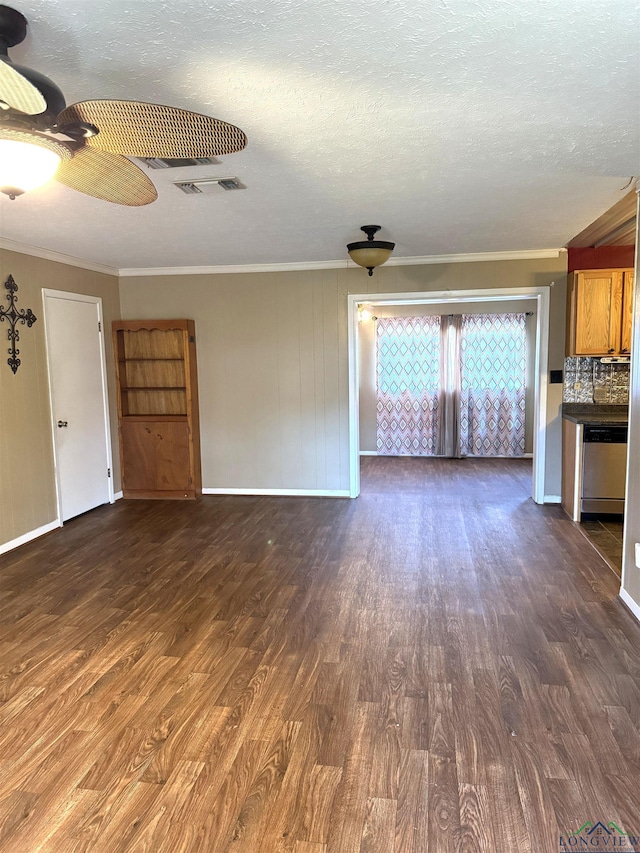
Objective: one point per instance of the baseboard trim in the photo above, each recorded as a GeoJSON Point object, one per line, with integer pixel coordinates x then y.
{"type": "Point", "coordinates": [552, 499]}
{"type": "Point", "coordinates": [424, 456]}
{"type": "Point", "coordinates": [282, 493]}
{"type": "Point", "coordinates": [630, 604]}
{"type": "Point", "coordinates": [27, 537]}
{"type": "Point", "coordinates": [117, 496]}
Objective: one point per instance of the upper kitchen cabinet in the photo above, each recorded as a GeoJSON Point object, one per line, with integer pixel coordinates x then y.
{"type": "Point", "coordinates": [599, 312]}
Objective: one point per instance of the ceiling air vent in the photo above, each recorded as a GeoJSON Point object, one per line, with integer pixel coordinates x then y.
{"type": "Point", "coordinates": [177, 162]}
{"type": "Point", "coordinates": [209, 186]}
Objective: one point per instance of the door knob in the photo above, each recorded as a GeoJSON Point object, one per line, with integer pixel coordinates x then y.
{"type": "Point", "coordinates": [63, 424]}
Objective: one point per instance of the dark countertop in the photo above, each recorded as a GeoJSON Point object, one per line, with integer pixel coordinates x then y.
{"type": "Point", "coordinates": [592, 413]}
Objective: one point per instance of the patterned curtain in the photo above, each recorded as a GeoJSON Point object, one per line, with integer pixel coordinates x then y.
{"type": "Point", "coordinates": [493, 364]}
{"type": "Point", "coordinates": [408, 385]}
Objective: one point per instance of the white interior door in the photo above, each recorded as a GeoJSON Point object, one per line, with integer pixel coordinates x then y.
{"type": "Point", "coordinates": [78, 401]}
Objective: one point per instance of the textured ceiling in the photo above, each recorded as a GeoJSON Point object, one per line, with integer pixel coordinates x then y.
{"type": "Point", "coordinates": [458, 125]}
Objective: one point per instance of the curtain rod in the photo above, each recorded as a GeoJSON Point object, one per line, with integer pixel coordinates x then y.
{"type": "Point", "coordinates": [373, 316]}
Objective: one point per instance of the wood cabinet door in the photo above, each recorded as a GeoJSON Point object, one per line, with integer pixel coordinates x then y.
{"type": "Point", "coordinates": [627, 312]}
{"type": "Point", "coordinates": [156, 458]}
{"type": "Point", "coordinates": [598, 307]}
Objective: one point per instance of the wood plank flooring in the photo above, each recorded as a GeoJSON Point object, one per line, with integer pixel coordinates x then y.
{"type": "Point", "coordinates": [438, 666]}
{"type": "Point", "coordinates": [606, 536]}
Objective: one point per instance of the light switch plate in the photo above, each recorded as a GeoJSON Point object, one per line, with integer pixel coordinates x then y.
{"type": "Point", "coordinates": [638, 554]}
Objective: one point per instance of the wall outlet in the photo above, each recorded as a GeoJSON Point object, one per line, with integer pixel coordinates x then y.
{"type": "Point", "coordinates": [638, 554]}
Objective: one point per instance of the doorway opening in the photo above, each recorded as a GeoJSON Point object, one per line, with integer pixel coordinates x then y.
{"type": "Point", "coordinates": [500, 299]}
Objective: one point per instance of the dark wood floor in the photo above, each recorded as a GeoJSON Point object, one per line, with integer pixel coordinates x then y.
{"type": "Point", "coordinates": [606, 536]}
{"type": "Point", "coordinates": [438, 666]}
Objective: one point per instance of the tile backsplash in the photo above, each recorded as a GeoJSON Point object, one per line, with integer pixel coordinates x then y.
{"type": "Point", "coordinates": [587, 380]}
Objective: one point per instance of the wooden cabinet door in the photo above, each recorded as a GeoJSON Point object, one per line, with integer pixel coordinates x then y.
{"type": "Point", "coordinates": [598, 312]}
{"type": "Point", "coordinates": [156, 458]}
{"type": "Point", "coordinates": [627, 312]}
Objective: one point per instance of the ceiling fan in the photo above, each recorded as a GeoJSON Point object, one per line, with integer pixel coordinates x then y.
{"type": "Point", "coordinates": [85, 146]}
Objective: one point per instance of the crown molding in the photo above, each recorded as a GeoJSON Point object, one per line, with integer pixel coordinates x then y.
{"type": "Point", "coordinates": [523, 255]}
{"type": "Point", "coordinates": [58, 257]}
{"type": "Point", "coordinates": [236, 268]}
{"type": "Point", "coordinates": [139, 272]}
{"type": "Point", "coordinates": [475, 257]}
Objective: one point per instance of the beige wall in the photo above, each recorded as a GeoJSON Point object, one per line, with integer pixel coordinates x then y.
{"type": "Point", "coordinates": [367, 353]}
{"type": "Point", "coordinates": [273, 361]}
{"type": "Point", "coordinates": [27, 485]}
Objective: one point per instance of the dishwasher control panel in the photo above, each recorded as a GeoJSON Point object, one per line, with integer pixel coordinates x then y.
{"type": "Point", "coordinates": [605, 433]}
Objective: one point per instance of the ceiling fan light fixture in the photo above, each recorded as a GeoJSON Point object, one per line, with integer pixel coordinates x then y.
{"type": "Point", "coordinates": [370, 253]}
{"type": "Point", "coordinates": [28, 160]}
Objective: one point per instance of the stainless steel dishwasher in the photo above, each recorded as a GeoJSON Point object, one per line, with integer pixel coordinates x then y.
{"type": "Point", "coordinates": [604, 468]}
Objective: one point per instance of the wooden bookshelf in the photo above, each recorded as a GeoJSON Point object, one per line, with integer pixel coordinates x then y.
{"type": "Point", "coordinates": [158, 420]}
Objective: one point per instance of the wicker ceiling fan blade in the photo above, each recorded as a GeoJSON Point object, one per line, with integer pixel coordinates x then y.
{"type": "Point", "coordinates": [107, 176]}
{"type": "Point", "coordinates": [139, 129]}
{"type": "Point", "coordinates": [18, 93]}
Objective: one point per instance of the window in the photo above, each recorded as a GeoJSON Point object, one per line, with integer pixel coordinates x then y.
{"type": "Point", "coordinates": [451, 385]}
{"type": "Point", "coordinates": [408, 385]}
{"type": "Point", "coordinates": [493, 365]}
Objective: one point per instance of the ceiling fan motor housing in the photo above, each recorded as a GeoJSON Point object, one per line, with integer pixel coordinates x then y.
{"type": "Point", "coordinates": [13, 28]}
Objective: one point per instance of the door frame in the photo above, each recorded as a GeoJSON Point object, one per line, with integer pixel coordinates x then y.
{"type": "Point", "coordinates": [48, 293]}
{"type": "Point", "coordinates": [497, 295]}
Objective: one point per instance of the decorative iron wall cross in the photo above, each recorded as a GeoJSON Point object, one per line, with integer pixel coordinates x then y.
{"type": "Point", "coordinates": [15, 316]}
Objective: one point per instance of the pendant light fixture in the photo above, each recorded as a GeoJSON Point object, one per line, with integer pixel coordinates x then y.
{"type": "Point", "coordinates": [370, 253]}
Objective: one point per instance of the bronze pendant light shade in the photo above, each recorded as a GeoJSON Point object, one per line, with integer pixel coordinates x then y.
{"type": "Point", "coordinates": [370, 253]}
